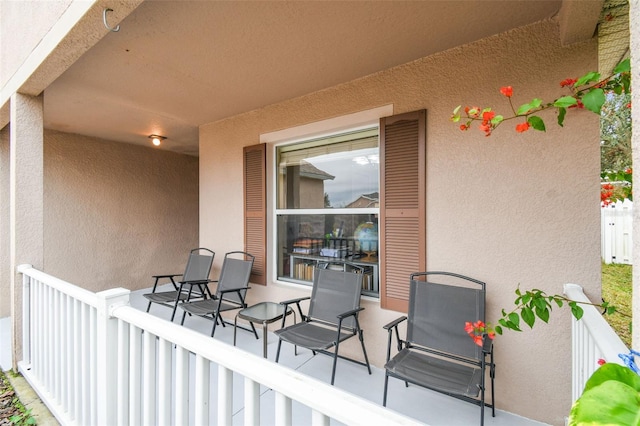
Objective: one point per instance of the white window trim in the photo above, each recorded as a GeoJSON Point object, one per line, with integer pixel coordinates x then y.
{"type": "Point", "coordinates": [331, 126]}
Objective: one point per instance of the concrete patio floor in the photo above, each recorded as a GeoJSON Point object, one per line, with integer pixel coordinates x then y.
{"type": "Point", "coordinates": [423, 405]}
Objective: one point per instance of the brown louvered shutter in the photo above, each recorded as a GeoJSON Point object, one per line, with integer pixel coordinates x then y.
{"type": "Point", "coordinates": [255, 210]}
{"type": "Point", "coordinates": [402, 205]}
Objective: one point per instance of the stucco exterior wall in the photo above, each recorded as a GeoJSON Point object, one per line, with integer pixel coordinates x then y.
{"type": "Point", "coordinates": [116, 214]}
{"type": "Point", "coordinates": [512, 209]}
{"type": "Point", "coordinates": [5, 273]}
{"type": "Point", "coordinates": [41, 16]}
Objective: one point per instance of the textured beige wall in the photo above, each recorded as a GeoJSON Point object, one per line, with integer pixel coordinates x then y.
{"type": "Point", "coordinates": [511, 209]}
{"type": "Point", "coordinates": [5, 273]}
{"type": "Point", "coordinates": [41, 16]}
{"type": "Point", "coordinates": [115, 214]}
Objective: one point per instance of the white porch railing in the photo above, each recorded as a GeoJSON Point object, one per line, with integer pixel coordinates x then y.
{"type": "Point", "coordinates": [592, 339]}
{"type": "Point", "coordinates": [95, 360]}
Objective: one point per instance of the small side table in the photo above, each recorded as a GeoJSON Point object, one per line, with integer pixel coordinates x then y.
{"type": "Point", "coordinates": [265, 313]}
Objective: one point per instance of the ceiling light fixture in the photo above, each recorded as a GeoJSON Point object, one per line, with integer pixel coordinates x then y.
{"type": "Point", "coordinates": [157, 139]}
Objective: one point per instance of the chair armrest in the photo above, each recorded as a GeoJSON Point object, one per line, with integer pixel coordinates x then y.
{"type": "Point", "coordinates": [487, 344]}
{"type": "Point", "coordinates": [166, 276]}
{"type": "Point", "coordinates": [394, 323]}
{"type": "Point", "coordinates": [231, 290]}
{"type": "Point", "coordinates": [298, 300]}
{"type": "Point", "coordinates": [349, 313]}
{"type": "Point", "coordinates": [195, 282]}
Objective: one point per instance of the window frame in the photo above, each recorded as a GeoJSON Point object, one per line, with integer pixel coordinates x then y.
{"type": "Point", "coordinates": [326, 128]}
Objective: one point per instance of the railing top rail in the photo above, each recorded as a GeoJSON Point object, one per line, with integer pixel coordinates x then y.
{"type": "Point", "coordinates": [608, 342]}
{"type": "Point", "coordinates": [334, 402]}
{"type": "Point", "coordinates": [64, 287]}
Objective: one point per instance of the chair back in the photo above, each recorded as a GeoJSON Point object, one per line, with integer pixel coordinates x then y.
{"type": "Point", "coordinates": [439, 305]}
{"type": "Point", "coordinates": [235, 273]}
{"type": "Point", "coordinates": [335, 292]}
{"type": "Point", "coordinates": [199, 265]}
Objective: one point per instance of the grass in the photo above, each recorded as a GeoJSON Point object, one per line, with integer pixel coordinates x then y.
{"type": "Point", "coordinates": [616, 289]}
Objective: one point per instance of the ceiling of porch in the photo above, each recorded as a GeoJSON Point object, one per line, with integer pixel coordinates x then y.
{"type": "Point", "coordinates": [175, 65]}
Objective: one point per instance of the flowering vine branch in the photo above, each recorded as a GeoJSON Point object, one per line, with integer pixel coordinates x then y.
{"type": "Point", "coordinates": [587, 92]}
{"type": "Point", "coordinates": [529, 305]}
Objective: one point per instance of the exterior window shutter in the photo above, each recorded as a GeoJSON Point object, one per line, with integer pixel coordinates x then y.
{"type": "Point", "coordinates": [255, 210]}
{"type": "Point", "coordinates": [402, 205]}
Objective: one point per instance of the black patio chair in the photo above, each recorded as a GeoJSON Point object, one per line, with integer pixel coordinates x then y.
{"type": "Point", "coordinates": [438, 354]}
{"type": "Point", "coordinates": [333, 313]}
{"type": "Point", "coordinates": [230, 293]}
{"type": "Point", "coordinates": [193, 284]}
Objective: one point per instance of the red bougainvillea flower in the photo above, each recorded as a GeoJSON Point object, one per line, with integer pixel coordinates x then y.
{"type": "Point", "coordinates": [487, 116]}
{"type": "Point", "coordinates": [507, 91]}
{"type": "Point", "coordinates": [628, 170]}
{"type": "Point", "coordinates": [468, 327]}
{"type": "Point", "coordinates": [601, 361]}
{"type": "Point", "coordinates": [464, 127]}
{"type": "Point", "coordinates": [485, 127]}
{"type": "Point", "coordinates": [629, 105]}
{"type": "Point", "coordinates": [568, 82]}
{"type": "Point", "coordinates": [578, 104]}
{"type": "Point", "coordinates": [522, 127]}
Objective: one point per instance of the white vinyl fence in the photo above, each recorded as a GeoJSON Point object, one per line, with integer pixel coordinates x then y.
{"type": "Point", "coordinates": [616, 229]}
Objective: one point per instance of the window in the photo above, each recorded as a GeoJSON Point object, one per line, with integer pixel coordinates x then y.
{"type": "Point", "coordinates": [327, 205]}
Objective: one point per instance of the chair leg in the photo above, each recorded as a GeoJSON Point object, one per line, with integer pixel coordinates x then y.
{"type": "Point", "coordinates": [278, 351]}
{"type": "Point", "coordinates": [335, 363]}
{"type": "Point", "coordinates": [148, 306]}
{"type": "Point", "coordinates": [364, 351]}
{"type": "Point", "coordinates": [386, 385]}
{"type": "Point", "coordinates": [215, 322]}
{"type": "Point", "coordinates": [184, 316]}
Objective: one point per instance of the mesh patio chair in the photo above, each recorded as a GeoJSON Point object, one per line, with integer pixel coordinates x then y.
{"type": "Point", "coordinates": [230, 293]}
{"type": "Point", "coordinates": [333, 313]}
{"type": "Point", "coordinates": [193, 284]}
{"type": "Point", "coordinates": [438, 354]}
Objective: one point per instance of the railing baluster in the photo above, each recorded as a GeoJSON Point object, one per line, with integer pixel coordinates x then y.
{"type": "Point", "coordinates": [123, 373]}
{"type": "Point", "coordinates": [225, 395]}
{"type": "Point", "coordinates": [27, 311]}
{"type": "Point", "coordinates": [182, 386]}
{"type": "Point", "coordinates": [56, 343]}
{"type": "Point", "coordinates": [93, 370]}
{"type": "Point", "coordinates": [283, 410]}
{"type": "Point", "coordinates": [251, 402]}
{"type": "Point", "coordinates": [201, 392]}
{"type": "Point", "coordinates": [135, 364]}
{"type": "Point", "coordinates": [319, 419]}
{"type": "Point", "coordinates": [77, 356]}
{"type": "Point", "coordinates": [149, 379]}
{"type": "Point", "coordinates": [164, 382]}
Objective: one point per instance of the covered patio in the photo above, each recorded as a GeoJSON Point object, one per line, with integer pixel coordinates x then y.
{"type": "Point", "coordinates": [87, 199]}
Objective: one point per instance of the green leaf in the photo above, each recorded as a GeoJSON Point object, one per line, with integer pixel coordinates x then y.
{"type": "Point", "coordinates": [497, 120]}
{"type": "Point", "coordinates": [543, 313]}
{"type": "Point", "coordinates": [536, 103]}
{"type": "Point", "coordinates": [514, 318]}
{"type": "Point", "coordinates": [624, 66]}
{"type": "Point", "coordinates": [498, 330]}
{"type": "Point", "coordinates": [565, 101]}
{"type": "Point", "coordinates": [558, 302]}
{"type": "Point", "coordinates": [523, 109]}
{"type": "Point", "coordinates": [593, 100]}
{"type": "Point", "coordinates": [590, 77]}
{"type": "Point", "coordinates": [528, 317]}
{"type": "Point", "coordinates": [576, 310]}
{"type": "Point", "coordinates": [611, 310]}
{"type": "Point", "coordinates": [536, 122]}
{"type": "Point", "coordinates": [610, 403]}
